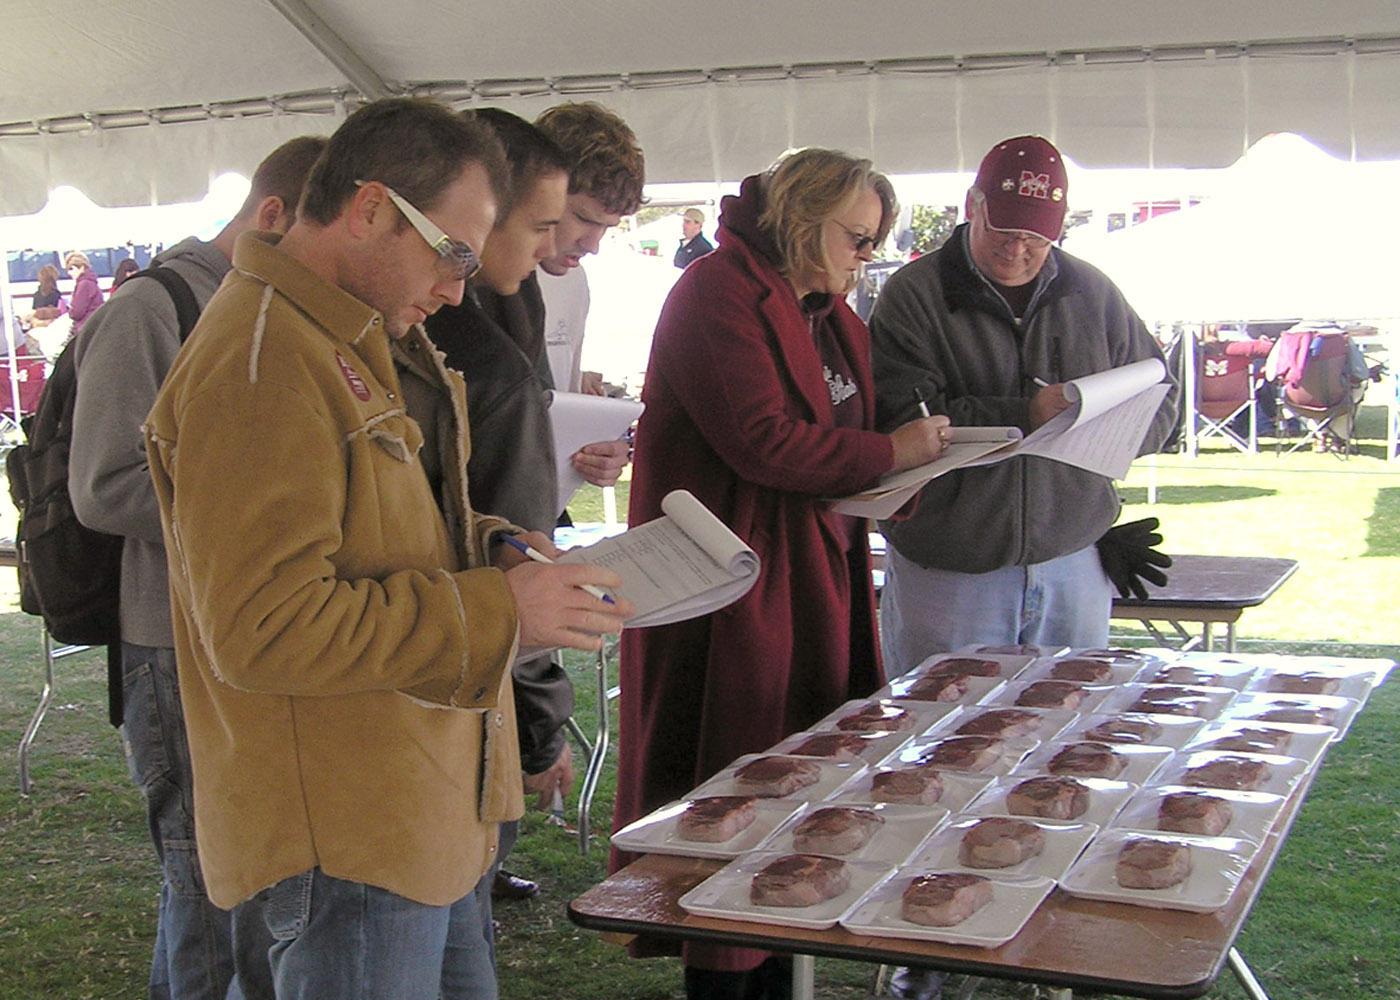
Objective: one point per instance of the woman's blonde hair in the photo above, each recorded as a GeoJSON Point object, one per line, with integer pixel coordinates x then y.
{"type": "Point", "coordinates": [804, 189]}
{"type": "Point", "coordinates": [79, 256]}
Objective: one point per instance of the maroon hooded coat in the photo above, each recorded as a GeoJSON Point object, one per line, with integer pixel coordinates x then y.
{"type": "Point", "coordinates": [739, 413]}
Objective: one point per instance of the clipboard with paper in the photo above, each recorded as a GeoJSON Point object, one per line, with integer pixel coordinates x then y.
{"type": "Point", "coordinates": [577, 419]}
{"type": "Point", "coordinates": [682, 565]}
{"type": "Point", "coordinates": [1100, 431]}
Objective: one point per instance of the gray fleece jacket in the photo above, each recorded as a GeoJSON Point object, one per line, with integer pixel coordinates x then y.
{"type": "Point", "coordinates": [123, 355]}
{"type": "Point", "coordinates": [940, 328]}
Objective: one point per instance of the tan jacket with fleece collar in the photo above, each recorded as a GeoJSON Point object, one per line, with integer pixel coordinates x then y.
{"type": "Point", "coordinates": [343, 647]}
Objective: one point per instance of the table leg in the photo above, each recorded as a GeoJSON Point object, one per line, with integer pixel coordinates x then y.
{"type": "Point", "coordinates": [596, 758]}
{"type": "Point", "coordinates": [1208, 636]}
{"type": "Point", "coordinates": [1229, 637]}
{"type": "Point", "coordinates": [576, 731]}
{"type": "Point", "coordinates": [804, 970]}
{"type": "Point", "coordinates": [1245, 975]}
{"type": "Point", "coordinates": [40, 710]}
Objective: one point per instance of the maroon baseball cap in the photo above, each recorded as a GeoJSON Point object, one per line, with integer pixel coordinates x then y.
{"type": "Point", "coordinates": [1024, 182]}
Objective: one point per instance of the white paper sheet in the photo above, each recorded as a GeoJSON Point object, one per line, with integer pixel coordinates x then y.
{"type": "Point", "coordinates": [578, 419]}
{"type": "Point", "coordinates": [1101, 431]}
{"type": "Point", "coordinates": [1103, 427]}
{"type": "Point", "coordinates": [679, 566]}
{"type": "Point", "coordinates": [894, 490]}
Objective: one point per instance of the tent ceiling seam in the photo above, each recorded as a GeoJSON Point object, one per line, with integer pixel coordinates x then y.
{"type": "Point", "coordinates": [328, 42]}
{"type": "Point", "coordinates": [332, 100]}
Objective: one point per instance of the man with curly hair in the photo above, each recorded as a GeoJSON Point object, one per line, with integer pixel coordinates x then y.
{"type": "Point", "coordinates": [605, 183]}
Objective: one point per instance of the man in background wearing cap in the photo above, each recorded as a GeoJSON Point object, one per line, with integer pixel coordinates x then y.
{"type": "Point", "coordinates": [987, 330]}
{"type": "Point", "coordinates": [693, 245]}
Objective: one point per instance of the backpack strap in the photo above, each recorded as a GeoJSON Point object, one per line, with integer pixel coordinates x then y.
{"type": "Point", "coordinates": [186, 308]}
{"type": "Point", "coordinates": [187, 315]}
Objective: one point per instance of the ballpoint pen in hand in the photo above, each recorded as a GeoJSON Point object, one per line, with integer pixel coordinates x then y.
{"type": "Point", "coordinates": [535, 554]}
{"type": "Point", "coordinates": [964, 435]}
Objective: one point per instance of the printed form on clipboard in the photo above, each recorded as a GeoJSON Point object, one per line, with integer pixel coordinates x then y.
{"type": "Point", "coordinates": [682, 565]}
{"type": "Point", "coordinates": [1102, 430]}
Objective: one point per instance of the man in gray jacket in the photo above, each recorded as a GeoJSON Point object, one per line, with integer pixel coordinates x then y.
{"type": "Point", "coordinates": [987, 330]}
{"type": "Point", "coordinates": [123, 355]}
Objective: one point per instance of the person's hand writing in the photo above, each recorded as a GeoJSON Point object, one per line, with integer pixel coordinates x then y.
{"type": "Point", "coordinates": [918, 442]}
{"type": "Point", "coordinates": [559, 777]}
{"type": "Point", "coordinates": [601, 462]}
{"type": "Point", "coordinates": [554, 610]}
{"type": "Point", "coordinates": [1049, 401]}
{"type": "Point", "coordinates": [593, 384]}
{"type": "Point", "coordinates": [509, 557]}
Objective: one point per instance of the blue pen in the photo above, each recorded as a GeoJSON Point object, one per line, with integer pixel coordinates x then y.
{"type": "Point", "coordinates": [532, 553]}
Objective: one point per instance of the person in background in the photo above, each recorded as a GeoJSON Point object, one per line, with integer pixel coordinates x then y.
{"type": "Point", "coordinates": [759, 401]}
{"type": "Point", "coordinates": [495, 338]}
{"type": "Point", "coordinates": [47, 295]}
{"type": "Point", "coordinates": [344, 627]}
{"type": "Point", "coordinates": [605, 183]}
{"type": "Point", "coordinates": [988, 329]}
{"type": "Point", "coordinates": [87, 295]}
{"type": "Point", "coordinates": [122, 358]}
{"type": "Point", "coordinates": [693, 242]}
{"type": "Point", "coordinates": [124, 270]}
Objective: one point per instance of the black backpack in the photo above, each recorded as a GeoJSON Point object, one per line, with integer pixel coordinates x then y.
{"type": "Point", "coordinates": [69, 574]}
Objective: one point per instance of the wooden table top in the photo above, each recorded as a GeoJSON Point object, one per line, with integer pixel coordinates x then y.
{"type": "Point", "coordinates": [1079, 943]}
{"type": "Point", "coordinates": [1214, 582]}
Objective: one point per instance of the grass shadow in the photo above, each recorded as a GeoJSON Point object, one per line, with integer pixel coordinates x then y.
{"type": "Point", "coordinates": [1383, 526]}
{"type": "Point", "coordinates": [1194, 494]}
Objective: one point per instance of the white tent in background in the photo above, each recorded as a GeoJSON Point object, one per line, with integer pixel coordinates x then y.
{"type": "Point", "coordinates": [1290, 233]}
{"type": "Point", "coordinates": [156, 97]}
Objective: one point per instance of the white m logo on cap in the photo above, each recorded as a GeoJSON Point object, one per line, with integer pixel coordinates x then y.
{"type": "Point", "coordinates": [1034, 185]}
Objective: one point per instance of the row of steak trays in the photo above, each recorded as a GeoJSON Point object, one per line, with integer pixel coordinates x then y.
{"type": "Point", "coordinates": [949, 804]}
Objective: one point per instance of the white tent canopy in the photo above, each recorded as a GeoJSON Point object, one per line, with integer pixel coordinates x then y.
{"type": "Point", "coordinates": [144, 102]}
{"type": "Point", "coordinates": [1288, 233]}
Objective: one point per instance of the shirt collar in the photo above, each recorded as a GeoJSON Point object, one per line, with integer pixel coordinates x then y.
{"type": "Point", "coordinates": [1047, 274]}
{"type": "Point", "coordinates": [328, 305]}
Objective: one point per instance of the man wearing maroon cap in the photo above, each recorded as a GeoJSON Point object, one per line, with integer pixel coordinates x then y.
{"type": "Point", "coordinates": [987, 330]}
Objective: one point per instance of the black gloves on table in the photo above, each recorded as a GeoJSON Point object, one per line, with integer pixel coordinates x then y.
{"type": "Point", "coordinates": [1128, 557]}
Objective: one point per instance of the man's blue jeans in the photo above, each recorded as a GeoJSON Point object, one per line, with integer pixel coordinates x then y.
{"type": "Point", "coordinates": [350, 941]}
{"type": "Point", "coordinates": [1060, 602]}
{"type": "Point", "coordinates": [193, 958]}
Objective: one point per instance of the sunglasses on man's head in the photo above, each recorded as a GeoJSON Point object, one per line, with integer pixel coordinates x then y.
{"type": "Point", "coordinates": [457, 261]}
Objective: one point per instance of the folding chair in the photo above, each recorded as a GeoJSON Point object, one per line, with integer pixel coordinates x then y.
{"type": "Point", "coordinates": [1225, 386]}
{"type": "Point", "coordinates": [28, 378]}
{"type": "Point", "coordinates": [1318, 384]}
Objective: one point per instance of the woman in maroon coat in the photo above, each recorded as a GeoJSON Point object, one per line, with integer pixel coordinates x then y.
{"type": "Point", "coordinates": [759, 401]}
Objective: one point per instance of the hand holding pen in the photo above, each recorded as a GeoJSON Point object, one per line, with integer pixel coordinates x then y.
{"type": "Point", "coordinates": [919, 441]}
{"type": "Point", "coordinates": [564, 605]}
{"type": "Point", "coordinates": [1049, 399]}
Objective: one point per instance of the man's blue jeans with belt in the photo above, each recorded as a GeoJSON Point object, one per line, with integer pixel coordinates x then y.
{"type": "Point", "coordinates": [1060, 602]}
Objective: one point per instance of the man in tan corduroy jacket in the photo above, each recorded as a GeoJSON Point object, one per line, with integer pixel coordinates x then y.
{"type": "Point", "coordinates": [343, 638]}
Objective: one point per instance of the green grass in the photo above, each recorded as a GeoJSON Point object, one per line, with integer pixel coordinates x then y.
{"type": "Point", "coordinates": [78, 877]}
